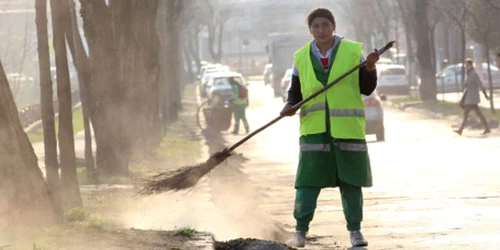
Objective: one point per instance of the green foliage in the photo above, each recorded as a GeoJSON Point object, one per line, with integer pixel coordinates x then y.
{"type": "Point", "coordinates": [76, 214]}
{"type": "Point", "coordinates": [35, 247]}
{"type": "Point", "coordinates": [95, 223]}
{"type": "Point", "coordinates": [54, 230]}
{"type": "Point", "coordinates": [185, 232]}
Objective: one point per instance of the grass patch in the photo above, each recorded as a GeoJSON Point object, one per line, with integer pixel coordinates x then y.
{"type": "Point", "coordinates": [406, 99]}
{"type": "Point", "coordinates": [444, 107]}
{"type": "Point", "coordinates": [76, 214]}
{"type": "Point", "coordinates": [37, 136]}
{"type": "Point", "coordinates": [81, 218]}
{"type": "Point", "coordinates": [185, 232]}
{"type": "Point", "coordinates": [35, 247]}
{"type": "Point", "coordinates": [84, 179]}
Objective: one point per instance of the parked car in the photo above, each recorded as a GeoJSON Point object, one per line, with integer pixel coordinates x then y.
{"type": "Point", "coordinates": [218, 85]}
{"type": "Point", "coordinates": [385, 61]}
{"type": "Point", "coordinates": [450, 78]}
{"type": "Point", "coordinates": [374, 115]}
{"type": "Point", "coordinates": [267, 73]}
{"type": "Point", "coordinates": [392, 79]}
{"type": "Point", "coordinates": [285, 84]}
{"type": "Point", "coordinates": [20, 79]}
{"type": "Point", "coordinates": [206, 76]}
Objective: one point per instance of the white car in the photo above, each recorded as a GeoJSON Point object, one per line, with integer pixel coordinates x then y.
{"type": "Point", "coordinates": [450, 78]}
{"type": "Point", "coordinates": [285, 84]}
{"type": "Point", "coordinates": [392, 79]}
{"type": "Point", "coordinates": [218, 85]}
{"type": "Point", "coordinates": [374, 115]}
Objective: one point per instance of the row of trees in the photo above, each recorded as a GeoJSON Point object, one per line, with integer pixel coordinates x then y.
{"type": "Point", "coordinates": [131, 83]}
{"type": "Point", "coordinates": [427, 26]}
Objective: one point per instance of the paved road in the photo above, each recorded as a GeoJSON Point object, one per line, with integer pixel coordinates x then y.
{"type": "Point", "coordinates": [432, 189]}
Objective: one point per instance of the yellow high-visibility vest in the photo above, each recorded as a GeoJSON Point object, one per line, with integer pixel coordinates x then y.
{"type": "Point", "coordinates": [344, 101]}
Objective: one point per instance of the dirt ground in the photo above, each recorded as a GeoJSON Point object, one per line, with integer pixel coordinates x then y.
{"type": "Point", "coordinates": [104, 225]}
{"type": "Point", "coordinates": [115, 217]}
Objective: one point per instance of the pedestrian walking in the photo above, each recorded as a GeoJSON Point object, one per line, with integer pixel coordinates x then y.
{"type": "Point", "coordinates": [333, 149]}
{"type": "Point", "coordinates": [240, 103]}
{"type": "Point", "coordinates": [471, 97]}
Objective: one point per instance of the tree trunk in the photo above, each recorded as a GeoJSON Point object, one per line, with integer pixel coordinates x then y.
{"type": "Point", "coordinates": [188, 62]}
{"type": "Point", "coordinates": [446, 39]}
{"type": "Point", "coordinates": [80, 61]}
{"type": "Point", "coordinates": [47, 104]}
{"type": "Point", "coordinates": [139, 67]}
{"type": "Point", "coordinates": [26, 199]}
{"type": "Point", "coordinates": [490, 81]}
{"type": "Point", "coordinates": [194, 47]}
{"type": "Point", "coordinates": [463, 49]}
{"type": "Point", "coordinates": [173, 51]}
{"type": "Point", "coordinates": [70, 190]}
{"type": "Point", "coordinates": [112, 148]}
{"type": "Point", "coordinates": [409, 46]}
{"type": "Point", "coordinates": [427, 76]}
{"type": "Point", "coordinates": [219, 41]}
{"type": "Point", "coordinates": [163, 58]}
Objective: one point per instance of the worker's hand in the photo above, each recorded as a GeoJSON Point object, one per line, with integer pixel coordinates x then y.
{"type": "Point", "coordinates": [288, 110]}
{"type": "Point", "coordinates": [372, 59]}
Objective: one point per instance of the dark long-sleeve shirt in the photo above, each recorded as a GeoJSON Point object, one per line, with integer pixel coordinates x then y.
{"type": "Point", "coordinates": [367, 84]}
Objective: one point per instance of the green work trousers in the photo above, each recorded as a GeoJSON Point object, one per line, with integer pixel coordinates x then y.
{"type": "Point", "coordinates": [239, 114]}
{"type": "Point", "coordinates": [352, 203]}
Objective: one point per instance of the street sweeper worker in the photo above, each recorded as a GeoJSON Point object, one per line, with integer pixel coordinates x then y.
{"type": "Point", "coordinates": [240, 103]}
{"type": "Point", "coordinates": [333, 149]}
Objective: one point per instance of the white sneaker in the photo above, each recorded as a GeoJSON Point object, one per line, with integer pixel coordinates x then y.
{"type": "Point", "coordinates": [298, 239]}
{"type": "Point", "coordinates": [357, 239]}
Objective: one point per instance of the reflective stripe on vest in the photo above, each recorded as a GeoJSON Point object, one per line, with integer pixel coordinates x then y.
{"type": "Point", "coordinates": [333, 112]}
{"type": "Point", "coordinates": [347, 112]}
{"type": "Point", "coordinates": [315, 107]}
{"type": "Point", "coordinates": [346, 146]}
{"type": "Point", "coordinates": [315, 147]}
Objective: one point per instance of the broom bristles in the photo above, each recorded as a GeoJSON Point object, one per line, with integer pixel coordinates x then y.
{"type": "Point", "coordinates": [184, 178]}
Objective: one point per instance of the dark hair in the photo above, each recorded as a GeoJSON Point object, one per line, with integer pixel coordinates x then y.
{"type": "Point", "coordinates": [498, 54]}
{"type": "Point", "coordinates": [320, 12]}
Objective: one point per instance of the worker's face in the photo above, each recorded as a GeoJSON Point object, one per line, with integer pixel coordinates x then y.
{"type": "Point", "coordinates": [468, 66]}
{"type": "Point", "coordinates": [322, 29]}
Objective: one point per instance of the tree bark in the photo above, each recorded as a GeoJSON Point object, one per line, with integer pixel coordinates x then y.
{"type": "Point", "coordinates": [427, 76]}
{"type": "Point", "coordinates": [173, 70]}
{"type": "Point", "coordinates": [194, 46]}
{"type": "Point", "coordinates": [47, 104]}
{"type": "Point", "coordinates": [70, 190]}
{"type": "Point", "coordinates": [26, 200]}
{"type": "Point", "coordinates": [80, 60]}
{"type": "Point", "coordinates": [490, 81]}
{"type": "Point", "coordinates": [108, 93]}
{"type": "Point", "coordinates": [409, 46]}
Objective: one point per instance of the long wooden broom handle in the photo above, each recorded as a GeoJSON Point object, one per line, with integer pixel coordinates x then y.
{"type": "Point", "coordinates": [298, 105]}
